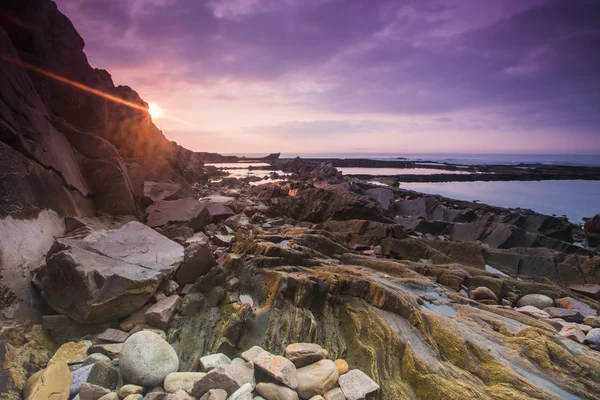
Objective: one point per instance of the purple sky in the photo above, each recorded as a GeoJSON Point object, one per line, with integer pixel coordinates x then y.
{"type": "Point", "coordinates": [242, 76]}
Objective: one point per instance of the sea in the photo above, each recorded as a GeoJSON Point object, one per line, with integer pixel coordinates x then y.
{"type": "Point", "coordinates": [575, 199]}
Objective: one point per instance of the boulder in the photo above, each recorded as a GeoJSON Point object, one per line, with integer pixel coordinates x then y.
{"type": "Point", "coordinates": [564, 313]}
{"type": "Point", "coordinates": [197, 262]}
{"type": "Point", "coordinates": [228, 377]}
{"type": "Point", "coordinates": [356, 385]}
{"type": "Point", "coordinates": [593, 337]}
{"type": "Point", "coordinates": [51, 383]}
{"type": "Point", "coordinates": [316, 379]}
{"type": "Point", "coordinates": [594, 322]}
{"type": "Point", "coordinates": [161, 313]}
{"type": "Point", "coordinates": [539, 301]}
{"type": "Point", "coordinates": [185, 381]}
{"type": "Point", "coordinates": [589, 290]}
{"type": "Point", "coordinates": [113, 336]}
{"type": "Point", "coordinates": [574, 304]}
{"type": "Point", "coordinates": [533, 312]}
{"type": "Point", "coordinates": [71, 352]}
{"type": "Point", "coordinates": [271, 391]}
{"type": "Point", "coordinates": [484, 293]}
{"type": "Point", "coordinates": [158, 191]}
{"type": "Point", "coordinates": [217, 211]}
{"type": "Point", "coordinates": [109, 274]}
{"type": "Point", "coordinates": [188, 210]}
{"type": "Point", "coordinates": [213, 361]}
{"type": "Point", "coordinates": [92, 392]}
{"type": "Point", "coordinates": [303, 354]}
{"type": "Point", "coordinates": [147, 359]}
{"type": "Point", "coordinates": [104, 374]}
{"type": "Point", "coordinates": [383, 196]}
{"type": "Point", "coordinates": [277, 367]}
{"type": "Point", "coordinates": [573, 332]}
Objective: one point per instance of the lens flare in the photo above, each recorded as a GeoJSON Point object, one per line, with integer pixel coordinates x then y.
{"type": "Point", "coordinates": [154, 110]}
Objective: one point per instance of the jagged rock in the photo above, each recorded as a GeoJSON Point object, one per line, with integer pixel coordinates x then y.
{"type": "Point", "coordinates": [385, 197]}
{"type": "Point", "coordinates": [592, 321]}
{"type": "Point", "coordinates": [271, 391]}
{"type": "Point", "coordinates": [592, 231]}
{"type": "Point", "coordinates": [126, 390]}
{"type": "Point", "coordinates": [342, 366]}
{"type": "Point", "coordinates": [236, 221]}
{"type": "Point", "coordinates": [279, 368]}
{"type": "Point", "coordinates": [146, 359]}
{"type": "Point", "coordinates": [94, 358]}
{"type": "Point", "coordinates": [539, 301]}
{"type": "Point", "coordinates": [589, 290]}
{"type": "Point", "coordinates": [71, 352]}
{"type": "Point", "coordinates": [356, 385]}
{"type": "Point", "coordinates": [188, 210]}
{"type": "Point", "coordinates": [564, 313]}
{"type": "Point", "coordinates": [158, 191]}
{"type": "Point", "coordinates": [222, 240]}
{"type": "Point", "coordinates": [217, 210]}
{"type": "Point", "coordinates": [573, 304]}
{"type": "Point", "coordinates": [111, 350]}
{"type": "Point", "coordinates": [113, 336]}
{"type": "Point", "coordinates": [316, 379]}
{"type": "Point", "coordinates": [213, 361]}
{"type": "Point", "coordinates": [215, 394]}
{"type": "Point", "coordinates": [111, 273]}
{"type": "Point", "coordinates": [63, 329]}
{"type": "Point", "coordinates": [138, 317]}
{"type": "Point", "coordinates": [229, 378]}
{"type": "Point", "coordinates": [92, 392]}
{"type": "Point", "coordinates": [303, 354]}
{"type": "Point", "coordinates": [533, 312]}
{"type": "Point", "coordinates": [198, 261]}
{"type": "Point", "coordinates": [51, 383]}
{"type": "Point", "coordinates": [78, 378]}
{"type": "Point", "coordinates": [573, 332]}
{"type": "Point", "coordinates": [185, 381]}
{"type": "Point", "coordinates": [161, 313]}
{"type": "Point", "coordinates": [103, 374]}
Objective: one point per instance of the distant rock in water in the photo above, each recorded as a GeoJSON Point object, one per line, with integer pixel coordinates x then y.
{"type": "Point", "coordinates": [592, 231]}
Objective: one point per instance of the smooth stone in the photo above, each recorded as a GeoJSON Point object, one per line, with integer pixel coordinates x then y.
{"type": "Point", "coordinates": [277, 367]}
{"type": "Point", "coordinates": [243, 393]}
{"type": "Point", "coordinates": [533, 312]}
{"type": "Point", "coordinates": [179, 395]}
{"type": "Point", "coordinates": [228, 377]}
{"type": "Point", "coordinates": [185, 381]}
{"type": "Point", "coordinates": [342, 366]}
{"type": "Point", "coordinates": [593, 337]}
{"type": "Point", "coordinates": [113, 336]}
{"type": "Point", "coordinates": [484, 293]}
{"type": "Point", "coordinates": [317, 378]}
{"type": "Point", "coordinates": [317, 398]}
{"type": "Point", "coordinates": [303, 354]}
{"type": "Point", "coordinates": [109, 396]}
{"type": "Point", "coordinates": [213, 361]}
{"type": "Point", "coordinates": [161, 313]}
{"type": "Point", "coordinates": [356, 385]}
{"type": "Point", "coordinates": [94, 358]}
{"type": "Point", "coordinates": [126, 390]}
{"type": "Point", "coordinates": [134, 397]}
{"type": "Point", "coordinates": [271, 391]}
{"type": "Point", "coordinates": [573, 332]}
{"type": "Point", "coordinates": [92, 392]}
{"type": "Point", "coordinates": [71, 352]}
{"type": "Point", "coordinates": [156, 396]}
{"type": "Point", "coordinates": [215, 394]}
{"type": "Point", "coordinates": [334, 394]}
{"type": "Point", "coordinates": [50, 383]}
{"type": "Point", "coordinates": [147, 359]}
{"type": "Point", "coordinates": [536, 300]}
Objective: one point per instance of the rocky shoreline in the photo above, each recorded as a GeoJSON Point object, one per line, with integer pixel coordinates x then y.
{"type": "Point", "coordinates": [126, 272]}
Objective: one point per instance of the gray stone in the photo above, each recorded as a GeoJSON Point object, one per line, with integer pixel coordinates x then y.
{"type": "Point", "coordinates": [536, 300]}
{"type": "Point", "coordinates": [533, 312]}
{"type": "Point", "coordinates": [179, 395]}
{"type": "Point", "coordinates": [215, 394]}
{"type": "Point", "coordinates": [383, 196]}
{"type": "Point", "coordinates": [356, 385]}
{"type": "Point", "coordinates": [113, 336]}
{"type": "Point", "coordinates": [103, 374]}
{"type": "Point", "coordinates": [303, 354]}
{"type": "Point", "coordinates": [334, 394]}
{"type": "Point", "coordinates": [109, 396]}
{"type": "Point", "coordinates": [271, 391]}
{"type": "Point", "coordinates": [188, 210]}
{"type": "Point", "coordinates": [111, 350]}
{"type": "Point", "coordinates": [185, 381]}
{"type": "Point", "coordinates": [317, 378]}
{"type": "Point", "coordinates": [197, 262]}
{"type": "Point", "coordinates": [228, 377]}
{"type": "Point", "coordinates": [110, 273]}
{"type": "Point", "coordinates": [94, 358]}
{"type": "Point", "coordinates": [243, 393]}
{"type": "Point", "coordinates": [134, 397]}
{"type": "Point", "coordinates": [277, 367]}
{"type": "Point", "coordinates": [92, 392]}
{"type": "Point", "coordinates": [574, 304]}
{"type": "Point", "coordinates": [566, 314]}
{"type": "Point", "coordinates": [78, 378]}
{"type": "Point", "coordinates": [222, 240]}
{"type": "Point", "coordinates": [161, 313]}
{"type": "Point", "coordinates": [593, 337]}
{"type": "Point", "coordinates": [147, 359]}
{"type": "Point", "coordinates": [213, 361]}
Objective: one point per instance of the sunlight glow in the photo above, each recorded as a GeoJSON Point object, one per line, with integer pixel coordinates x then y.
{"type": "Point", "coordinates": [154, 110]}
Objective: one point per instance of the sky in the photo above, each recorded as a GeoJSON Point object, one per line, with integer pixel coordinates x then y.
{"type": "Point", "coordinates": [380, 76]}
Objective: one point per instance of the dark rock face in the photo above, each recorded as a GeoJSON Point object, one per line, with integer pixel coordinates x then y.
{"type": "Point", "coordinates": [592, 231]}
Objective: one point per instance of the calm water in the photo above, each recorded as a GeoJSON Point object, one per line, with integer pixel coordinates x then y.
{"type": "Point", "coordinates": [397, 171]}
{"type": "Point", "coordinates": [575, 199]}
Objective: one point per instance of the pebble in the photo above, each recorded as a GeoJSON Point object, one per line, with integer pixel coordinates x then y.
{"type": "Point", "coordinates": [126, 390]}
{"type": "Point", "coordinates": [342, 366]}
{"type": "Point", "coordinates": [147, 359]}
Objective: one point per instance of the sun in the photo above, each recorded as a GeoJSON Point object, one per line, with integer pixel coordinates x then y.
{"type": "Point", "coordinates": [154, 110]}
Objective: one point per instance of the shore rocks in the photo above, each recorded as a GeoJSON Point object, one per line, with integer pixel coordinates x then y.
{"type": "Point", "coordinates": [188, 210]}
{"type": "Point", "coordinates": [533, 312]}
{"type": "Point", "coordinates": [146, 359]}
{"type": "Point", "coordinates": [317, 378]}
{"type": "Point", "coordinates": [161, 313]}
{"type": "Point", "coordinates": [185, 381]}
{"type": "Point", "coordinates": [271, 391]}
{"type": "Point", "coordinates": [484, 293]}
{"type": "Point", "coordinates": [303, 354]}
{"type": "Point", "coordinates": [51, 383]}
{"type": "Point", "coordinates": [213, 361]}
{"type": "Point", "coordinates": [279, 368]}
{"type": "Point", "coordinates": [229, 378]}
{"type": "Point", "coordinates": [356, 385]}
{"type": "Point", "coordinates": [109, 274]}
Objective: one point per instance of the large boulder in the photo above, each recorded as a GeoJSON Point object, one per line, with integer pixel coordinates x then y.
{"type": "Point", "coordinates": [146, 359]}
{"type": "Point", "coordinates": [592, 231]}
{"type": "Point", "coordinates": [52, 383]}
{"type": "Point", "coordinates": [188, 210]}
{"type": "Point", "coordinates": [109, 274]}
